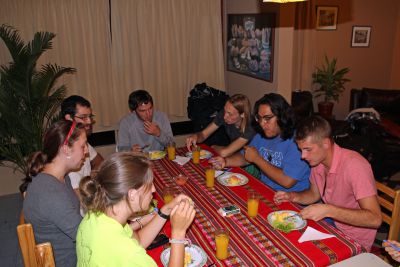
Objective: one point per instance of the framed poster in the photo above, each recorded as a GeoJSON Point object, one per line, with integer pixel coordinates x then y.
{"type": "Point", "coordinates": [327, 17]}
{"type": "Point", "coordinates": [250, 45]}
{"type": "Point", "coordinates": [360, 36]}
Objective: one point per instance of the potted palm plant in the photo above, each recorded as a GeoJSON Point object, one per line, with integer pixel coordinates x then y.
{"type": "Point", "coordinates": [329, 83]}
{"type": "Point", "coordinates": [29, 97]}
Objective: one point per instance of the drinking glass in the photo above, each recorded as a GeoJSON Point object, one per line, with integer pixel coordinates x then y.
{"type": "Point", "coordinates": [210, 176]}
{"type": "Point", "coordinates": [253, 200]}
{"type": "Point", "coordinates": [171, 150]}
{"type": "Point", "coordinates": [221, 243]}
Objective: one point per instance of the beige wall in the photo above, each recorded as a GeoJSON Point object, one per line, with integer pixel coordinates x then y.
{"type": "Point", "coordinates": [376, 66]}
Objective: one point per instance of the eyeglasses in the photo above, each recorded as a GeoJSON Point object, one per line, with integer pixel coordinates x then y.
{"type": "Point", "coordinates": [85, 117]}
{"type": "Point", "coordinates": [265, 118]}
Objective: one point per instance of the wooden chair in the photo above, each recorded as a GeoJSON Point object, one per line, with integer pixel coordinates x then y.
{"type": "Point", "coordinates": [389, 199]}
{"type": "Point", "coordinates": [40, 255]}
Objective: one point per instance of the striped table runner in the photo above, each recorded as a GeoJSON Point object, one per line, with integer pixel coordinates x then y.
{"type": "Point", "coordinates": [253, 242]}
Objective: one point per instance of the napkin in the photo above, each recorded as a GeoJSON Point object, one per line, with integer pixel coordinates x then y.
{"type": "Point", "coordinates": [181, 160]}
{"type": "Point", "coordinates": [312, 234]}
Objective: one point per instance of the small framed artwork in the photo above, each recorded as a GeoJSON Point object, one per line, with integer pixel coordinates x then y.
{"type": "Point", "coordinates": [327, 17]}
{"type": "Point", "coordinates": [360, 36]}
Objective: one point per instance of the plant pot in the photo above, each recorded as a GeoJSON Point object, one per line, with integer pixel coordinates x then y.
{"type": "Point", "coordinates": [325, 110]}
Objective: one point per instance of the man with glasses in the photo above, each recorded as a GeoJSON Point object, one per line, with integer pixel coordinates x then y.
{"type": "Point", "coordinates": [273, 149]}
{"type": "Point", "coordinates": [341, 178]}
{"type": "Point", "coordinates": [143, 129]}
{"type": "Point", "coordinates": [76, 108]}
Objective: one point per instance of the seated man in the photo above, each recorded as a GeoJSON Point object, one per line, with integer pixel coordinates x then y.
{"type": "Point", "coordinates": [143, 128]}
{"type": "Point", "coordinates": [273, 149]}
{"type": "Point", "coordinates": [77, 108]}
{"type": "Point", "coordinates": [341, 178]}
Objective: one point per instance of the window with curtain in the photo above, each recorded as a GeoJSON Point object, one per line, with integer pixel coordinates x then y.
{"type": "Point", "coordinates": [117, 46]}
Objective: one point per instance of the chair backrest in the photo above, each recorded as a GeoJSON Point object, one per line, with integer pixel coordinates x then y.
{"type": "Point", "coordinates": [389, 199]}
{"type": "Point", "coordinates": [40, 255]}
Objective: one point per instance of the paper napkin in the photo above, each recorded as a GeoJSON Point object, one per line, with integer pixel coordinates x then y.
{"type": "Point", "coordinates": [312, 234]}
{"type": "Point", "coordinates": [181, 160]}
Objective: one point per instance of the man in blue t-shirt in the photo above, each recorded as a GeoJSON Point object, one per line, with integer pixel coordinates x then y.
{"type": "Point", "coordinates": [273, 149]}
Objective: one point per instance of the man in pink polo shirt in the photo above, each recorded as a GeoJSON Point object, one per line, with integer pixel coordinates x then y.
{"type": "Point", "coordinates": [341, 178]}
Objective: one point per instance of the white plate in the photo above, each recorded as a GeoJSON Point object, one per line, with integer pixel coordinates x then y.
{"type": "Point", "coordinates": [157, 154]}
{"type": "Point", "coordinates": [199, 257]}
{"type": "Point", "coordinates": [279, 216]}
{"type": "Point", "coordinates": [204, 154]}
{"type": "Point", "coordinates": [226, 179]}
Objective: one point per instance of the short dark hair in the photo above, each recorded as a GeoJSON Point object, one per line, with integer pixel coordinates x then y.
{"type": "Point", "coordinates": [314, 126]}
{"type": "Point", "coordinates": [139, 97]}
{"type": "Point", "coordinates": [282, 110]}
{"type": "Point", "coordinates": [68, 106]}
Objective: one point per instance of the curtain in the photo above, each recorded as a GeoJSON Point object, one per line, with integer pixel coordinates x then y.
{"type": "Point", "coordinates": [305, 45]}
{"type": "Point", "coordinates": [163, 46]}
{"type": "Point", "coordinates": [166, 47]}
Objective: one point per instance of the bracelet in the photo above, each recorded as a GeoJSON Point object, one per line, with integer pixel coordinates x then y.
{"type": "Point", "coordinates": [184, 241]}
{"type": "Point", "coordinates": [162, 215]}
{"type": "Point", "coordinates": [139, 222]}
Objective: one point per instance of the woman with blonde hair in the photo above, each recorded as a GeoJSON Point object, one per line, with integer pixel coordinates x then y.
{"type": "Point", "coordinates": [236, 118]}
{"type": "Point", "coordinates": [124, 187]}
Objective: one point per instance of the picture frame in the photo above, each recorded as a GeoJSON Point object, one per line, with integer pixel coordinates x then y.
{"type": "Point", "coordinates": [250, 45]}
{"type": "Point", "coordinates": [327, 17]}
{"type": "Point", "coordinates": [361, 36]}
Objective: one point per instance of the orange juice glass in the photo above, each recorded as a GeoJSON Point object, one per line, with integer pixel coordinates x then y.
{"type": "Point", "coordinates": [221, 243]}
{"type": "Point", "coordinates": [171, 150]}
{"type": "Point", "coordinates": [210, 176]}
{"type": "Point", "coordinates": [168, 194]}
{"type": "Point", "coordinates": [196, 155]}
{"type": "Point", "coordinates": [253, 200]}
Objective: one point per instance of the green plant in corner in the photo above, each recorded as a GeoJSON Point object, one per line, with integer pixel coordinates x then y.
{"type": "Point", "coordinates": [330, 84]}
{"type": "Point", "coordinates": [29, 97]}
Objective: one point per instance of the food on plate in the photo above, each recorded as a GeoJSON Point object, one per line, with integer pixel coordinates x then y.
{"type": "Point", "coordinates": [188, 259]}
{"type": "Point", "coordinates": [158, 154]}
{"type": "Point", "coordinates": [233, 180]}
{"type": "Point", "coordinates": [280, 221]}
{"type": "Point", "coordinates": [204, 153]}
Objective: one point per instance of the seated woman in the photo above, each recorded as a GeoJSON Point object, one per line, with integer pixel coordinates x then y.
{"type": "Point", "coordinates": [123, 187]}
{"type": "Point", "coordinates": [236, 119]}
{"type": "Point", "coordinates": [51, 205]}
{"type": "Point", "coordinates": [273, 149]}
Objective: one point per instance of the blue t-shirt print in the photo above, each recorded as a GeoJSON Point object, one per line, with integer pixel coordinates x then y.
{"type": "Point", "coordinates": [285, 155]}
{"type": "Point", "coordinates": [273, 157]}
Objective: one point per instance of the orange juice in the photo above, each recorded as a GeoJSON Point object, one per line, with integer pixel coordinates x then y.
{"type": "Point", "coordinates": [252, 207]}
{"type": "Point", "coordinates": [168, 198]}
{"type": "Point", "coordinates": [253, 199]}
{"type": "Point", "coordinates": [171, 151]}
{"type": "Point", "coordinates": [168, 194]}
{"type": "Point", "coordinates": [196, 156]}
{"type": "Point", "coordinates": [210, 176]}
{"type": "Point", "coordinates": [221, 242]}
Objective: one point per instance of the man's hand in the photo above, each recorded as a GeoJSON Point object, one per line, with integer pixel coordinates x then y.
{"type": "Point", "coordinates": [217, 162]}
{"type": "Point", "coordinates": [151, 128]}
{"type": "Point", "coordinates": [281, 196]}
{"type": "Point", "coordinates": [251, 154]}
{"type": "Point", "coordinates": [315, 212]}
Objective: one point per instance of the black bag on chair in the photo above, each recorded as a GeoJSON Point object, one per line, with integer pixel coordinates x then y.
{"type": "Point", "coordinates": [204, 103]}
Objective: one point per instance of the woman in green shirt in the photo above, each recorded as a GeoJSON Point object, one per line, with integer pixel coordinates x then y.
{"type": "Point", "coordinates": [123, 187]}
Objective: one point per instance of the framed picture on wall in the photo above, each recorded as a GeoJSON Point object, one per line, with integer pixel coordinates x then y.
{"type": "Point", "coordinates": [250, 44]}
{"type": "Point", "coordinates": [327, 17]}
{"type": "Point", "coordinates": [360, 36]}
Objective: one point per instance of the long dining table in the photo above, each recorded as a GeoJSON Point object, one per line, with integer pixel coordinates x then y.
{"type": "Point", "coordinates": [253, 241]}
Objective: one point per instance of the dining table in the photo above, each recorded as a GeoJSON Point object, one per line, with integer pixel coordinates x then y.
{"type": "Point", "coordinates": [253, 241]}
